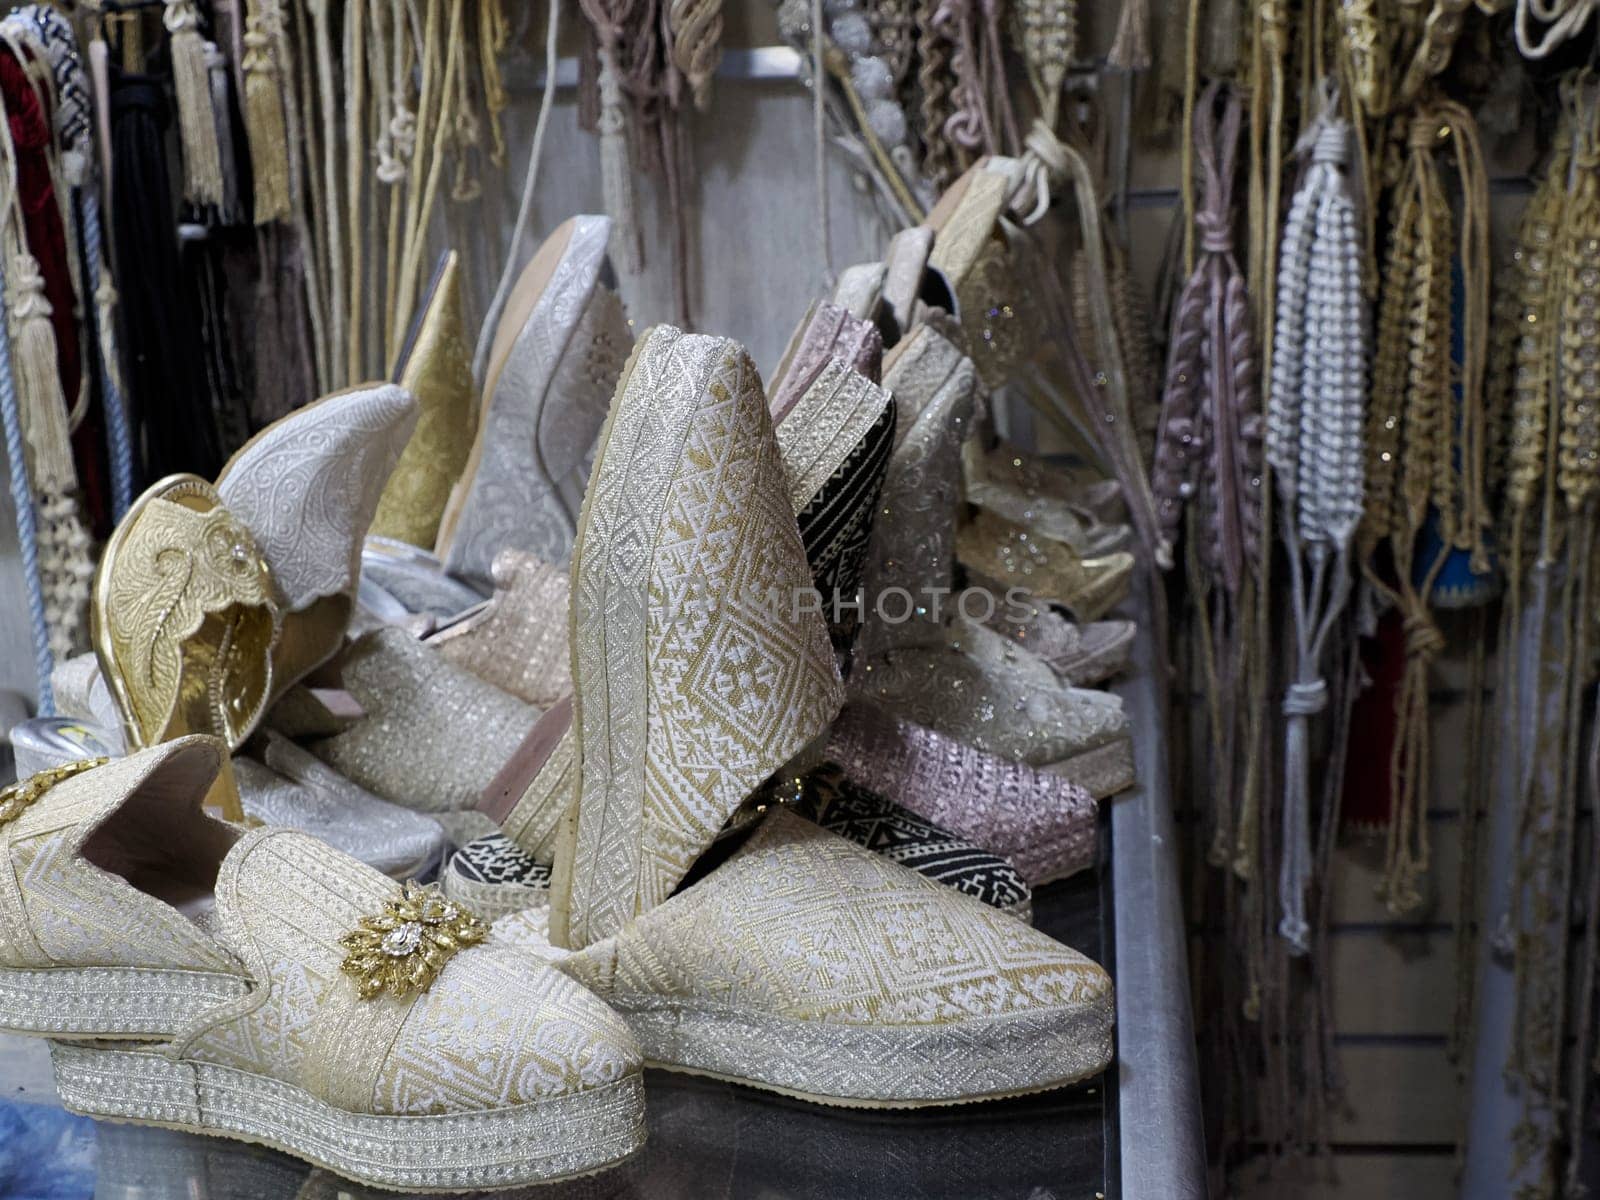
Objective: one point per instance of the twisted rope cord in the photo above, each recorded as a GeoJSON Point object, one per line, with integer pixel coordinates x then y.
{"type": "Point", "coordinates": [119, 434]}
{"type": "Point", "coordinates": [27, 529]}
{"type": "Point", "coordinates": [1314, 417]}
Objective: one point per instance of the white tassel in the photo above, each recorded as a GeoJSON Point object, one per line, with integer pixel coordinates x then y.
{"type": "Point", "coordinates": [1130, 50]}
{"type": "Point", "coordinates": [616, 170]}
{"type": "Point", "coordinates": [197, 123]}
{"type": "Point", "coordinates": [38, 378]}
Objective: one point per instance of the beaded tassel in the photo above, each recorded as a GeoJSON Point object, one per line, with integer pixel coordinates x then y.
{"type": "Point", "coordinates": [1313, 445]}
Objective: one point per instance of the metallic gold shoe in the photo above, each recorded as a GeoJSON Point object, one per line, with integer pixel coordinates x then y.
{"type": "Point", "coordinates": [695, 677]}
{"type": "Point", "coordinates": [557, 351]}
{"type": "Point", "coordinates": [517, 639]}
{"type": "Point", "coordinates": [810, 966]}
{"type": "Point", "coordinates": [185, 617]}
{"type": "Point", "coordinates": [307, 486]}
{"type": "Point", "coordinates": [436, 368]}
{"type": "Point", "coordinates": [265, 987]}
{"type": "Point", "coordinates": [1041, 512]}
{"type": "Point", "coordinates": [1048, 570]}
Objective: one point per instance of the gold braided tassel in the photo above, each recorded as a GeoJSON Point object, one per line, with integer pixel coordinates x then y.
{"type": "Point", "coordinates": [38, 377]}
{"type": "Point", "coordinates": [263, 114]}
{"type": "Point", "coordinates": [197, 123]}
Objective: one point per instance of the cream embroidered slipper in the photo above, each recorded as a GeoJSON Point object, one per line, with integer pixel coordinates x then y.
{"type": "Point", "coordinates": [807, 965]}
{"type": "Point", "coordinates": [306, 486]}
{"type": "Point", "coordinates": [185, 617]}
{"type": "Point", "coordinates": [557, 352]}
{"type": "Point", "coordinates": [267, 988]}
{"type": "Point", "coordinates": [697, 673]}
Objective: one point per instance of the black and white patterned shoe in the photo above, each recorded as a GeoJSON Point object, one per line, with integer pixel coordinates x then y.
{"type": "Point", "coordinates": [494, 876]}
{"type": "Point", "coordinates": [901, 836]}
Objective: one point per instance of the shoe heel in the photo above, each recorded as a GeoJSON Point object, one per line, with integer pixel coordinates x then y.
{"type": "Point", "coordinates": [125, 1085]}
{"type": "Point", "coordinates": [1103, 771]}
{"type": "Point", "coordinates": [108, 1002]}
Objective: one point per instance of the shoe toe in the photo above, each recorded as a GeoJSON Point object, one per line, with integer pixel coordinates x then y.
{"type": "Point", "coordinates": [499, 1029]}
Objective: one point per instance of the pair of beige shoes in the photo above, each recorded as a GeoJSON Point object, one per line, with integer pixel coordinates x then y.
{"type": "Point", "coordinates": [262, 986]}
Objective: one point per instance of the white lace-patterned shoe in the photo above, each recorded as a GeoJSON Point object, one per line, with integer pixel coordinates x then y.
{"type": "Point", "coordinates": [557, 351]}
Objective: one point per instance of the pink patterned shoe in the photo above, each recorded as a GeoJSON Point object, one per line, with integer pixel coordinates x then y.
{"type": "Point", "coordinates": [1040, 821]}
{"type": "Point", "coordinates": [828, 332]}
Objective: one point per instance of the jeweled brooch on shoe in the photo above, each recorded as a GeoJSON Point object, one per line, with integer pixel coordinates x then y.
{"type": "Point", "coordinates": [403, 948]}
{"type": "Point", "coordinates": [17, 798]}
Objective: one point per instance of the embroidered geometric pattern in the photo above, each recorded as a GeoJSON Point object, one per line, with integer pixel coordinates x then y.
{"type": "Point", "coordinates": [901, 836]}
{"type": "Point", "coordinates": [695, 679]}
{"type": "Point", "coordinates": [802, 924]}
{"type": "Point", "coordinates": [1042, 822]}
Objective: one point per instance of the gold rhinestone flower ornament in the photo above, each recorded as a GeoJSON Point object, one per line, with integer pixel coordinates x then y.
{"type": "Point", "coordinates": [403, 948]}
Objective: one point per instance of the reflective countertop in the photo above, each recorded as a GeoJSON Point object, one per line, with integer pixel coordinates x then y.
{"type": "Point", "coordinates": [708, 1140]}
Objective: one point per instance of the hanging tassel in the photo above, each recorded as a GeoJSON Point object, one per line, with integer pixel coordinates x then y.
{"type": "Point", "coordinates": [229, 206]}
{"type": "Point", "coordinates": [1314, 446]}
{"type": "Point", "coordinates": [202, 159]}
{"type": "Point", "coordinates": [38, 377]}
{"type": "Point", "coordinates": [1131, 49]}
{"type": "Point", "coordinates": [616, 169]}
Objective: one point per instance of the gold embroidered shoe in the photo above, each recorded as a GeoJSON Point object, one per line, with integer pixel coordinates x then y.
{"type": "Point", "coordinates": [557, 352]}
{"type": "Point", "coordinates": [695, 675]}
{"type": "Point", "coordinates": [517, 639]}
{"type": "Point", "coordinates": [185, 617]}
{"type": "Point", "coordinates": [436, 368]}
{"type": "Point", "coordinates": [810, 966]}
{"type": "Point", "coordinates": [262, 986]}
{"type": "Point", "coordinates": [1046, 569]}
{"type": "Point", "coordinates": [306, 486]}
{"type": "Point", "coordinates": [1073, 524]}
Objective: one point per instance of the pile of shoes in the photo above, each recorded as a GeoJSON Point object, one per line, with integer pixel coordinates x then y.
{"type": "Point", "coordinates": [737, 722]}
